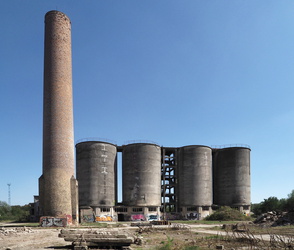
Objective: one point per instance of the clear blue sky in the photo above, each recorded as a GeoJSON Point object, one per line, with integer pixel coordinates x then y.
{"type": "Point", "coordinates": [175, 72]}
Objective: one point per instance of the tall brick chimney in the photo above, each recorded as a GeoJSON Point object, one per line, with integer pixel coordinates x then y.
{"type": "Point", "coordinates": [57, 185]}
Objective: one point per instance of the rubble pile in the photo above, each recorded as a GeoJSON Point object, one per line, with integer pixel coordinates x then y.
{"type": "Point", "coordinates": [239, 227]}
{"type": "Point", "coordinates": [275, 219]}
{"type": "Point", "coordinates": [6, 231]}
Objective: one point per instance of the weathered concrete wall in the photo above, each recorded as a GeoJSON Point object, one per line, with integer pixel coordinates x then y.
{"type": "Point", "coordinates": [141, 172]}
{"type": "Point", "coordinates": [96, 173]}
{"type": "Point", "coordinates": [195, 176]}
{"type": "Point", "coordinates": [232, 176]}
{"type": "Point", "coordinates": [74, 199]}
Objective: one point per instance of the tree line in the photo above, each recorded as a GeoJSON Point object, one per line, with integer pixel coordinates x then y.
{"type": "Point", "coordinates": [14, 213]}
{"type": "Point", "coordinates": [21, 213]}
{"type": "Point", "coordinates": [274, 204]}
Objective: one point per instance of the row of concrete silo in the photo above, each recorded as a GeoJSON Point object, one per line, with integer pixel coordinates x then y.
{"type": "Point", "coordinates": [201, 177]}
{"type": "Point", "coordinates": [214, 176]}
{"type": "Point", "coordinates": [97, 174]}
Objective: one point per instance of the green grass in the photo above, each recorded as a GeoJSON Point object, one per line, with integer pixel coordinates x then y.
{"type": "Point", "coordinates": [166, 245]}
{"type": "Point", "coordinates": [205, 222]}
{"type": "Point", "coordinates": [20, 224]}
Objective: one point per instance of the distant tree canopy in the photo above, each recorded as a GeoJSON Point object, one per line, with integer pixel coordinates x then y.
{"type": "Point", "coordinates": [290, 201]}
{"type": "Point", "coordinates": [13, 213]}
{"type": "Point", "coordinates": [274, 204]}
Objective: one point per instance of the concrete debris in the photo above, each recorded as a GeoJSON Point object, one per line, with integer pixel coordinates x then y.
{"type": "Point", "coordinates": [6, 231]}
{"type": "Point", "coordinates": [276, 219]}
{"type": "Point", "coordinates": [238, 227]}
{"type": "Point", "coordinates": [82, 239]}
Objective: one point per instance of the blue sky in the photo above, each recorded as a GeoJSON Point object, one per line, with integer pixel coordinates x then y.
{"type": "Point", "coordinates": [175, 72]}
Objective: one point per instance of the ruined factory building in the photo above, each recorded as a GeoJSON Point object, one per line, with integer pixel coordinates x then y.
{"type": "Point", "coordinates": [158, 183]}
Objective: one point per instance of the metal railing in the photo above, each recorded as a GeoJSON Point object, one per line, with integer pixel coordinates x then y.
{"type": "Point", "coordinates": [96, 139]}
{"type": "Point", "coordinates": [238, 145]}
{"type": "Point", "coordinates": [140, 141]}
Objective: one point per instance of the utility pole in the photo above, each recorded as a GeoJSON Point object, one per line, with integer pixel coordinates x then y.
{"type": "Point", "coordinates": [9, 195]}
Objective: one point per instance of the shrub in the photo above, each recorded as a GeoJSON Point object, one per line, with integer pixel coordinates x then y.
{"type": "Point", "coordinates": [227, 214]}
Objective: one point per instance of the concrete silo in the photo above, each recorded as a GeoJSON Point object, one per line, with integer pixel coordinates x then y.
{"type": "Point", "coordinates": [96, 173]}
{"type": "Point", "coordinates": [57, 185]}
{"type": "Point", "coordinates": [231, 173]}
{"type": "Point", "coordinates": [141, 172]}
{"type": "Point", "coordinates": [195, 180]}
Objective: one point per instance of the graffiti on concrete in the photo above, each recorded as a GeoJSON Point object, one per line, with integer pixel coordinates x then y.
{"type": "Point", "coordinates": [88, 218]}
{"type": "Point", "coordinates": [192, 216]}
{"type": "Point", "coordinates": [69, 219]}
{"type": "Point", "coordinates": [103, 218]}
{"type": "Point", "coordinates": [136, 217]}
{"type": "Point", "coordinates": [152, 217]}
{"type": "Point", "coordinates": [53, 222]}
{"type": "Point", "coordinates": [172, 216]}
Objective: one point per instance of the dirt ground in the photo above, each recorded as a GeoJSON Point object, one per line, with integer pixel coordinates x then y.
{"type": "Point", "coordinates": [33, 238]}
{"type": "Point", "coordinates": [17, 237]}
{"type": "Point", "coordinates": [177, 236]}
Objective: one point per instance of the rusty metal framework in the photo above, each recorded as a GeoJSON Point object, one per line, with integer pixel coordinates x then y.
{"type": "Point", "coordinates": [169, 180]}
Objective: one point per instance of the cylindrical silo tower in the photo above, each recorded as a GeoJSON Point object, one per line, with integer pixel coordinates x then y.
{"type": "Point", "coordinates": [96, 173]}
{"type": "Point", "coordinates": [56, 196]}
{"type": "Point", "coordinates": [231, 173]}
{"type": "Point", "coordinates": [141, 172]}
{"type": "Point", "coordinates": [195, 177]}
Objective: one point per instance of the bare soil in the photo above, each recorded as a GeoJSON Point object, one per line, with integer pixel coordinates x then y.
{"type": "Point", "coordinates": [34, 238]}
{"type": "Point", "coordinates": [177, 236]}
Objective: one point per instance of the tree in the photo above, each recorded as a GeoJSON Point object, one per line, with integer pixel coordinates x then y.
{"type": "Point", "coordinates": [270, 204]}
{"type": "Point", "coordinates": [4, 210]}
{"type": "Point", "coordinates": [290, 202]}
{"type": "Point", "coordinates": [274, 204]}
{"type": "Point", "coordinates": [256, 209]}
{"type": "Point", "coordinates": [13, 213]}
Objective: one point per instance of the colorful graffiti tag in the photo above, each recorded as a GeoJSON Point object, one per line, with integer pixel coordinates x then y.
{"type": "Point", "coordinates": [69, 219]}
{"type": "Point", "coordinates": [88, 218]}
{"type": "Point", "coordinates": [152, 217]}
{"type": "Point", "coordinates": [103, 218]}
{"type": "Point", "coordinates": [136, 217]}
{"type": "Point", "coordinates": [53, 222]}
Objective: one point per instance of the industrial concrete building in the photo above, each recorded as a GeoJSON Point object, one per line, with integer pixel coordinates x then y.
{"type": "Point", "coordinates": [160, 182]}
{"type": "Point", "coordinates": [232, 177]}
{"type": "Point", "coordinates": [157, 182]}
{"type": "Point", "coordinates": [57, 185]}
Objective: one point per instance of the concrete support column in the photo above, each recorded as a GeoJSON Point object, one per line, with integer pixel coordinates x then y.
{"type": "Point", "coordinates": [145, 211]}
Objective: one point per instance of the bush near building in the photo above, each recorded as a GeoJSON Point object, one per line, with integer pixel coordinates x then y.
{"type": "Point", "coordinates": [227, 214]}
